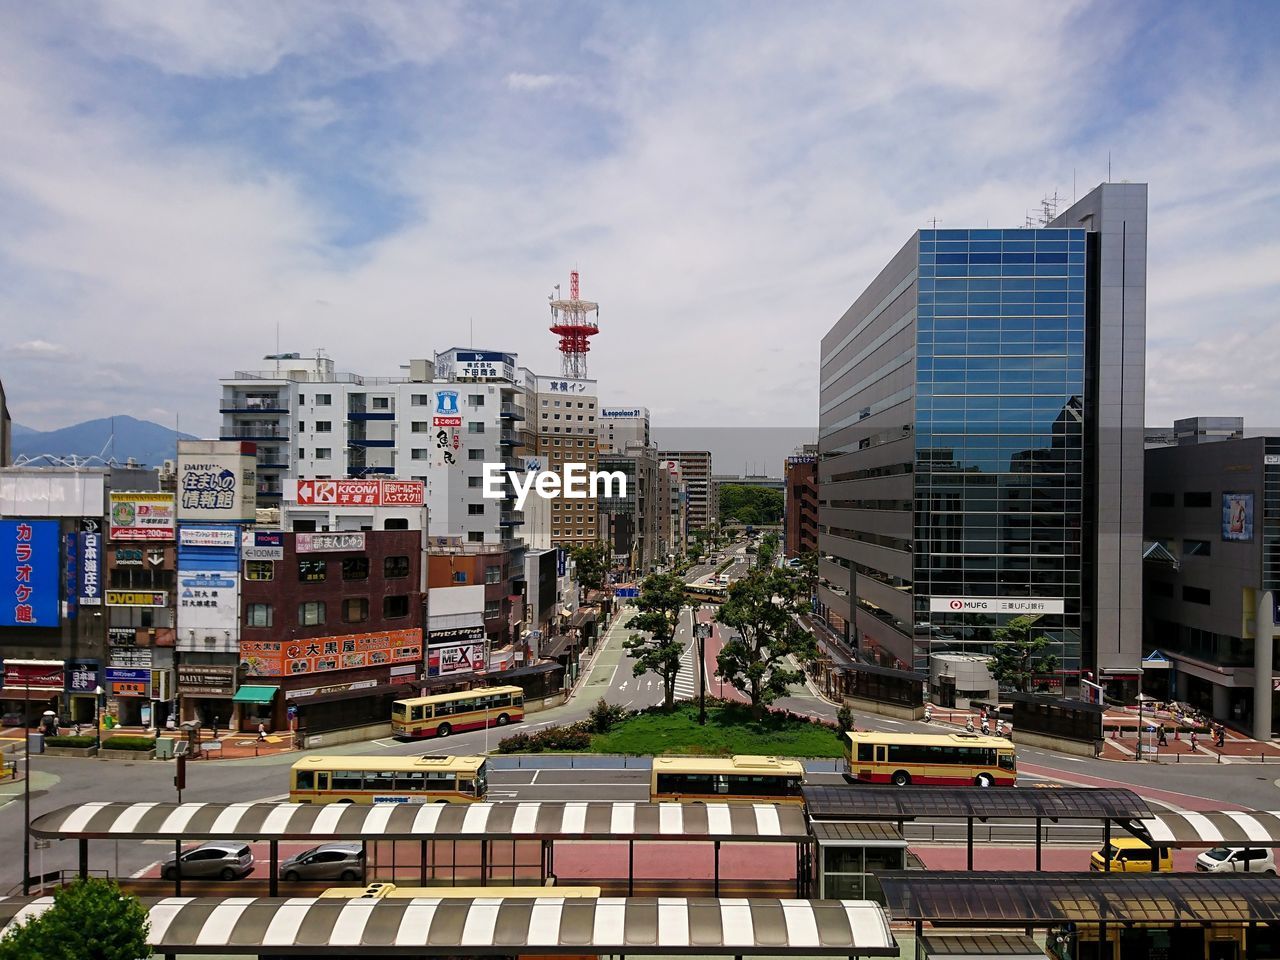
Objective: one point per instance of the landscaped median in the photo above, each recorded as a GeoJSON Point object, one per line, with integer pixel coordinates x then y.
{"type": "Point", "coordinates": [730, 729]}
{"type": "Point", "coordinates": [71, 746]}
{"type": "Point", "coordinates": [122, 747]}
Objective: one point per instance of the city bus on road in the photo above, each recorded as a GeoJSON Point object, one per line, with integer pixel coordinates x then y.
{"type": "Point", "coordinates": [706, 592]}
{"type": "Point", "coordinates": [352, 779]}
{"type": "Point", "coordinates": [447, 713]}
{"type": "Point", "coordinates": [741, 778]}
{"type": "Point", "coordinates": [947, 759]}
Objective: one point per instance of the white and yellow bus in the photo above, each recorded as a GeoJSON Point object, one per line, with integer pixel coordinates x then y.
{"type": "Point", "coordinates": [447, 713]}
{"type": "Point", "coordinates": [948, 759]}
{"type": "Point", "coordinates": [339, 779]}
{"type": "Point", "coordinates": [743, 778]}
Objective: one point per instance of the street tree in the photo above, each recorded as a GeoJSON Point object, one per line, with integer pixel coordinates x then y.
{"type": "Point", "coordinates": [591, 564]}
{"type": "Point", "coordinates": [1020, 660]}
{"type": "Point", "coordinates": [89, 920]}
{"type": "Point", "coordinates": [761, 610]}
{"type": "Point", "coordinates": [655, 649]}
{"type": "Point", "coordinates": [768, 550]}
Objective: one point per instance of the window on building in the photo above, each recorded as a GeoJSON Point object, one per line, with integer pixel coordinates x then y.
{"type": "Point", "coordinates": [259, 570]}
{"type": "Point", "coordinates": [492, 609]}
{"type": "Point", "coordinates": [258, 615]}
{"type": "Point", "coordinates": [324, 453]}
{"type": "Point", "coordinates": [475, 426]}
{"type": "Point", "coordinates": [475, 400]}
{"type": "Point", "coordinates": [459, 576]}
{"type": "Point", "coordinates": [395, 523]}
{"type": "Point", "coordinates": [421, 426]}
{"type": "Point", "coordinates": [419, 453]}
{"type": "Point", "coordinates": [395, 567]}
{"type": "Point", "coordinates": [380, 403]}
{"type": "Point", "coordinates": [355, 568]}
{"type": "Point", "coordinates": [395, 606]}
{"type": "Point", "coordinates": [1197, 498]}
{"type": "Point", "coordinates": [324, 399]}
{"type": "Point", "coordinates": [420, 400]}
{"type": "Point", "coordinates": [474, 482]}
{"type": "Point", "coordinates": [324, 426]}
{"type": "Point", "coordinates": [302, 455]}
{"type": "Point", "coordinates": [311, 571]}
{"type": "Point", "coordinates": [302, 399]}
{"type": "Point", "coordinates": [475, 536]}
{"type": "Point", "coordinates": [493, 574]}
{"type": "Point", "coordinates": [311, 613]}
{"type": "Point", "coordinates": [355, 610]}
{"type": "Point", "coordinates": [475, 509]}
{"type": "Point", "coordinates": [475, 454]}
{"type": "Point", "coordinates": [1160, 588]}
{"type": "Point", "coordinates": [1195, 548]}
{"type": "Point", "coordinates": [1195, 595]}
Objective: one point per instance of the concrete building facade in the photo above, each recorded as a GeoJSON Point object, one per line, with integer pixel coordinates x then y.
{"type": "Point", "coordinates": [980, 451]}
{"type": "Point", "coordinates": [621, 426]}
{"type": "Point", "coordinates": [695, 474]}
{"type": "Point", "coordinates": [800, 504]}
{"type": "Point", "coordinates": [1212, 576]}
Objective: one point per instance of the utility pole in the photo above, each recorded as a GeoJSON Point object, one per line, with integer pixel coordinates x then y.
{"type": "Point", "coordinates": [700, 632]}
{"type": "Point", "coordinates": [26, 793]}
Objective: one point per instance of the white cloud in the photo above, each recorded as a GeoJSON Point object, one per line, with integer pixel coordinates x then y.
{"type": "Point", "coordinates": [533, 81]}
{"type": "Point", "coordinates": [39, 349]}
{"type": "Point", "coordinates": [727, 186]}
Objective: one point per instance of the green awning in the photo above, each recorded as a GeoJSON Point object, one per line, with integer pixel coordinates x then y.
{"type": "Point", "coordinates": [255, 694]}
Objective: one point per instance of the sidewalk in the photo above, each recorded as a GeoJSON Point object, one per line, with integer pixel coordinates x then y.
{"type": "Point", "coordinates": [229, 745]}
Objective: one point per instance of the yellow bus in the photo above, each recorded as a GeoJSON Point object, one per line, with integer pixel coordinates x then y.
{"type": "Point", "coordinates": [706, 593]}
{"type": "Point", "coordinates": [447, 713]}
{"type": "Point", "coordinates": [339, 779]}
{"type": "Point", "coordinates": [744, 778]}
{"type": "Point", "coordinates": [948, 759]}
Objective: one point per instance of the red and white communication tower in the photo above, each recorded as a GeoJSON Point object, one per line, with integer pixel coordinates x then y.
{"type": "Point", "coordinates": [575, 321]}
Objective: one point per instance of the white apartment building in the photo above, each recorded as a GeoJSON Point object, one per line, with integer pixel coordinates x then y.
{"type": "Point", "coordinates": [621, 426]}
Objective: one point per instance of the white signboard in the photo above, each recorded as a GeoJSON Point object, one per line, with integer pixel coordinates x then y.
{"type": "Point", "coordinates": [573, 388]}
{"type": "Point", "coordinates": [208, 600]}
{"type": "Point", "coordinates": [1021, 605]}
{"type": "Point", "coordinates": [216, 482]}
{"type": "Point", "coordinates": [328, 542]}
{"type": "Point", "coordinates": [207, 537]}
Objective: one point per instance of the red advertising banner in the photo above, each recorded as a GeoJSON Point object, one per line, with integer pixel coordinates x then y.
{"type": "Point", "coordinates": [279, 658]}
{"type": "Point", "coordinates": [42, 677]}
{"type": "Point", "coordinates": [369, 493]}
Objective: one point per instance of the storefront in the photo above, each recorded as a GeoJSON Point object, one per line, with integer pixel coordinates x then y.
{"type": "Point", "coordinates": [254, 705]}
{"type": "Point", "coordinates": [205, 693]}
{"type": "Point", "coordinates": [79, 705]}
{"type": "Point", "coordinates": [30, 688]}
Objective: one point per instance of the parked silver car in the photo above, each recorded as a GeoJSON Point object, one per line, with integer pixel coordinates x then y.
{"type": "Point", "coordinates": [329, 861]}
{"type": "Point", "coordinates": [223, 860]}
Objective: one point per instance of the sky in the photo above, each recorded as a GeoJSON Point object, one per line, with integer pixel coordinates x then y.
{"type": "Point", "coordinates": [180, 181]}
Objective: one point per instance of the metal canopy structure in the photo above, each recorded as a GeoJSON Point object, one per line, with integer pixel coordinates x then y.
{"type": "Point", "coordinates": [588, 820]}
{"type": "Point", "coordinates": [1253, 828]}
{"type": "Point", "coordinates": [842, 832]}
{"type": "Point", "coordinates": [426, 926]}
{"type": "Point", "coordinates": [1025, 899]}
{"type": "Point", "coordinates": [860, 802]}
{"type": "Point", "coordinates": [981, 946]}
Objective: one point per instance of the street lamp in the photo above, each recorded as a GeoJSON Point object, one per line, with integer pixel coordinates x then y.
{"type": "Point", "coordinates": [702, 630]}
{"type": "Point", "coordinates": [97, 714]}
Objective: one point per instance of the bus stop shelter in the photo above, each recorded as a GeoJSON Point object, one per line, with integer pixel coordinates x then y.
{"type": "Point", "coordinates": [426, 926]}
{"type": "Point", "coordinates": [858, 802]}
{"type": "Point", "coordinates": [483, 823]}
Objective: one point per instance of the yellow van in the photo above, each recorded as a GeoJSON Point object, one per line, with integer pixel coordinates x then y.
{"type": "Point", "coordinates": [1130, 855]}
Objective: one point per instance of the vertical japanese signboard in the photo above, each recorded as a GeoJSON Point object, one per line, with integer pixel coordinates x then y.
{"type": "Point", "coordinates": [29, 573]}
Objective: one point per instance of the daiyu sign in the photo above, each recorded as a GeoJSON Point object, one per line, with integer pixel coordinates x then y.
{"type": "Point", "coordinates": [196, 680]}
{"type": "Point", "coordinates": [1020, 605]}
{"type": "Point", "coordinates": [217, 481]}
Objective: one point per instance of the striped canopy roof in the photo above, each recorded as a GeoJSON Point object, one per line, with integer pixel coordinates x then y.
{"type": "Point", "coordinates": [1235, 828]}
{"type": "Point", "coordinates": [427, 926]}
{"type": "Point", "coordinates": [598, 820]}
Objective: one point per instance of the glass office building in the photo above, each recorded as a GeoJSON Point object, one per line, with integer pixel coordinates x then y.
{"type": "Point", "coordinates": [973, 444]}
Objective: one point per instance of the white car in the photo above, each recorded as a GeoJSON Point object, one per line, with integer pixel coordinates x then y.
{"type": "Point", "coordinates": [1237, 860]}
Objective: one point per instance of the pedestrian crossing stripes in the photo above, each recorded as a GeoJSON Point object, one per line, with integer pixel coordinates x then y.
{"type": "Point", "coordinates": [686, 685]}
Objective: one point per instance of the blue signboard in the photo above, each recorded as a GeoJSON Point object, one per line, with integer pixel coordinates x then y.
{"type": "Point", "coordinates": [30, 573]}
{"type": "Point", "coordinates": [562, 561]}
{"type": "Point", "coordinates": [128, 675]}
{"type": "Point", "coordinates": [481, 356]}
{"type": "Point", "coordinates": [81, 676]}
{"type": "Point", "coordinates": [626, 592]}
{"type": "Point", "coordinates": [90, 570]}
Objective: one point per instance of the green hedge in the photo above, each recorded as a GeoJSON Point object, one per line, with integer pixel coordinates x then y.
{"type": "Point", "coordinates": [124, 742]}
{"type": "Point", "coordinates": [70, 741]}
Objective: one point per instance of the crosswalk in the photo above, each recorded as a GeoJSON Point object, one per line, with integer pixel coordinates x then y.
{"type": "Point", "coordinates": [686, 685]}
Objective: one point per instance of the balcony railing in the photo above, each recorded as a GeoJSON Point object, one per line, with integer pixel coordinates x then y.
{"type": "Point", "coordinates": [511, 411]}
{"type": "Point", "coordinates": [253, 406]}
{"type": "Point", "coordinates": [260, 431]}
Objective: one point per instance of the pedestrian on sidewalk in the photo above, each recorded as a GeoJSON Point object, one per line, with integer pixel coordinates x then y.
{"type": "Point", "coordinates": [262, 732]}
{"type": "Point", "coordinates": [1162, 737]}
{"type": "Point", "coordinates": [1193, 741]}
{"type": "Point", "coordinates": [1222, 736]}
{"type": "Point", "coordinates": [215, 727]}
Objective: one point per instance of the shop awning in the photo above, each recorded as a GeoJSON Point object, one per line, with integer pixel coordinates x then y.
{"type": "Point", "coordinates": [255, 694]}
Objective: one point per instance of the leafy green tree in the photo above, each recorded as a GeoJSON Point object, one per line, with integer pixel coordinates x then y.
{"type": "Point", "coordinates": [656, 649]}
{"type": "Point", "coordinates": [591, 564]}
{"type": "Point", "coordinates": [1019, 655]}
{"type": "Point", "coordinates": [748, 503]}
{"type": "Point", "coordinates": [768, 551]}
{"type": "Point", "coordinates": [89, 920]}
{"type": "Point", "coordinates": [761, 608]}
{"type": "Point", "coordinates": [808, 570]}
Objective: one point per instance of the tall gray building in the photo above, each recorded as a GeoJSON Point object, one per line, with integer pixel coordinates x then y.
{"type": "Point", "coordinates": [981, 432]}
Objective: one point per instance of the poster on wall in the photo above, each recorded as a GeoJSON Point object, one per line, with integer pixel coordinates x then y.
{"type": "Point", "coordinates": [30, 573]}
{"type": "Point", "coordinates": [452, 659]}
{"type": "Point", "coordinates": [208, 600]}
{"type": "Point", "coordinates": [1237, 517]}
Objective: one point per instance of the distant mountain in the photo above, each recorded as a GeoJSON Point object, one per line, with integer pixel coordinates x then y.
{"type": "Point", "coordinates": [148, 443]}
